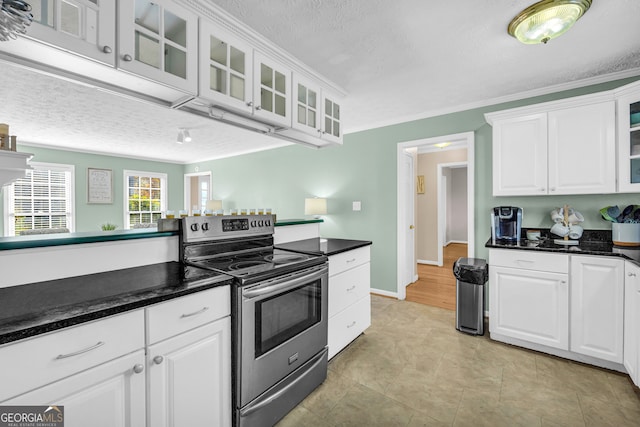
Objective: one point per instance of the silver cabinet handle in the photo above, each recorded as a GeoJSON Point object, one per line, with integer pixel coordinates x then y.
{"type": "Point", "coordinates": [107, 49]}
{"type": "Point", "coordinates": [258, 107]}
{"type": "Point", "coordinates": [76, 353]}
{"type": "Point", "coordinates": [158, 360]}
{"type": "Point", "coordinates": [351, 288]}
{"type": "Point", "coordinates": [127, 58]}
{"type": "Point", "coordinates": [631, 274]}
{"type": "Point", "coordinates": [349, 261]}
{"type": "Point", "coordinates": [195, 313]}
{"type": "Point", "coordinates": [137, 368]}
{"type": "Point", "coordinates": [351, 325]}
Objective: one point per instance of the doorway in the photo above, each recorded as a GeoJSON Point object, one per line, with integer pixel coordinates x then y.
{"type": "Point", "coordinates": [407, 215]}
{"type": "Point", "coordinates": [197, 190]}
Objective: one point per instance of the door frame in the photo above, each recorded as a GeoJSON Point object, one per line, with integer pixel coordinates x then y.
{"type": "Point", "coordinates": [466, 140]}
{"type": "Point", "coordinates": [442, 207]}
{"type": "Point", "coordinates": [187, 186]}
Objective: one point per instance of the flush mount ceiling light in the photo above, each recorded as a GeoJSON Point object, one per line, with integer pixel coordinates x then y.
{"type": "Point", "coordinates": [547, 20]}
{"type": "Point", "coordinates": [183, 136]}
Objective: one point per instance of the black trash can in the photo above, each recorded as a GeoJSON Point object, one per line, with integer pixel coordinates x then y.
{"type": "Point", "coordinates": [471, 276]}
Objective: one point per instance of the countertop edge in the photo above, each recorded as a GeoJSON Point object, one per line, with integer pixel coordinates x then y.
{"type": "Point", "coordinates": [302, 246]}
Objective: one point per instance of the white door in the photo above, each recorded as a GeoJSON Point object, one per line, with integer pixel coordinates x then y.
{"type": "Point", "coordinates": [109, 395]}
{"type": "Point", "coordinates": [597, 304]}
{"type": "Point", "coordinates": [530, 305]}
{"type": "Point", "coordinates": [632, 320]}
{"type": "Point", "coordinates": [190, 378]}
{"type": "Point", "coordinates": [409, 213]}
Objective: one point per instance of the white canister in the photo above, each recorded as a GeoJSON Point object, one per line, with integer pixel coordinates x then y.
{"type": "Point", "coordinates": [623, 234]}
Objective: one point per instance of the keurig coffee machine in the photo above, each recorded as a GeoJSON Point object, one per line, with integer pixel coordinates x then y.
{"type": "Point", "coordinates": [506, 222]}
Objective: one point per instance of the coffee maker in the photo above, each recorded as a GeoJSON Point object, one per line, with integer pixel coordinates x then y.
{"type": "Point", "coordinates": [506, 223]}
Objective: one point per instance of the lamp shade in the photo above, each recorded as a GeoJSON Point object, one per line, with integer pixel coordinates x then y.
{"type": "Point", "coordinates": [214, 205]}
{"type": "Point", "coordinates": [315, 206]}
{"type": "Point", "coordinates": [547, 20]}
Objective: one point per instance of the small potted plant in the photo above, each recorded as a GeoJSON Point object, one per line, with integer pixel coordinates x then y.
{"type": "Point", "coordinates": [108, 227]}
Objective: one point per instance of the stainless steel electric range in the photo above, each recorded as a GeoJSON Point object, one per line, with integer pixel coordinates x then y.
{"type": "Point", "coordinates": [279, 312]}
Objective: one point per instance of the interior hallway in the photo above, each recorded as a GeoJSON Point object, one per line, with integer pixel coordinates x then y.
{"type": "Point", "coordinates": [413, 368]}
{"type": "Point", "coordinates": [436, 286]}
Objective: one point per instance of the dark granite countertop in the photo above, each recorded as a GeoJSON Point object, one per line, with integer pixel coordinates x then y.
{"type": "Point", "coordinates": [320, 246]}
{"type": "Point", "coordinates": [33, 309]}
{"type": "Point", "coordinates": [593, 242]}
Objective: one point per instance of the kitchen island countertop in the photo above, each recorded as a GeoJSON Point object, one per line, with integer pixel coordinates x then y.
{"type": "Point", "coordinates": [321, 246]}
{"type": "Point", "coordinates": [36, 308]}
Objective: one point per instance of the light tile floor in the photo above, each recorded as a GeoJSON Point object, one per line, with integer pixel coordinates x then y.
{"type": "Point", "coordinates": [413, 368]}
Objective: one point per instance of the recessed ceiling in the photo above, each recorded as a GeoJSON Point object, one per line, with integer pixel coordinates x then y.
{"type": "Point", "coordinates": [397, 60]}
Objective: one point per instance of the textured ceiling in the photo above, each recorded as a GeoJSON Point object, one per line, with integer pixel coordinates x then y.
{"type": "Point", "coordinates": [397, 60]}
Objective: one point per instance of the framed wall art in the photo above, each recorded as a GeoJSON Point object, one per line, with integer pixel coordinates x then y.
{"type": "Point", "coordinates": [99, 186]}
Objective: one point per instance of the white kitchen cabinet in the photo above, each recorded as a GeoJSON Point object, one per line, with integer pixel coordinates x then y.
{"type": "Point", "coordinates": [84, 27]}
{"type": "Point", "coordinates": [158, 40]}
{"type": "Point", "coordinates": [529, 297]}
{"type": "Point", "coordinates": [349, 297]}
{"type": "Point", "coordinates": [631, 355]}
{"type": "Point", "coordinates": [226, 67]}
{"type": "Point", "coordinates": [562, 147]}
{"type": "Point", "coordinates": [189, 360]}
{"type": "Point", "coordinates": [332, 119]}
{"type": "Point", "coordinates": [629, 139]}
{"type": "Point", "coordinates": [109, 395]}
{"type": "Point", "coordinates": [597, 305]}
{"type": "Point", "coordinates": [271, 91]}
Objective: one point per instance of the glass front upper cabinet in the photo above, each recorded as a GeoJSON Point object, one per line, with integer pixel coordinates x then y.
{"type": "Point", "coordinates": [225, 68]}
{"type": "Point", "coordinates": [629, 139]}
{"type": "Point", "coordinates": [332, 123]}
{"type": "Point", "coordinates": [158, 40]}
{"type": "Point", "coordinates": [307, 109]}
{"type": "Point", "coordinates": [84, 27]}
{"type": "Point", "coordinates": [271, 91]}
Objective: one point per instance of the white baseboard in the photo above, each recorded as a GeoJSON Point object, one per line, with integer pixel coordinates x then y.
{"type": "Point", "coordinates": [424, 261]}
{"type": "Point", "coordinates": [384, 293]}
{"type": "Point", "coordinates": [464, 242]}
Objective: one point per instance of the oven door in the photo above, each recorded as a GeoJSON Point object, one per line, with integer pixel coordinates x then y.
{"type": "Point", "coordinates": [283, 324]}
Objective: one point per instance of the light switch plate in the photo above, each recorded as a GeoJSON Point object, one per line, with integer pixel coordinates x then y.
{"type": "Point", "coordinates": [357, 206]}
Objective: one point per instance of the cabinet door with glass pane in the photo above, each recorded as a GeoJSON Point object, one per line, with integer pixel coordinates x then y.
{"type": "Point", "coordinates": [84, 27]}
{"type": "Point", "coordinates": [158, 40]}
{"type": "Point", "coordinates": [225, 69]}
{"type": "Point", "coordinates": [331, 119]}
{"type": "Point", "coordinates": [629, 140]}
{"type": "Point", "coordinates": [271, 91]}
{"type": "Point", "coordinates": [307, 109]}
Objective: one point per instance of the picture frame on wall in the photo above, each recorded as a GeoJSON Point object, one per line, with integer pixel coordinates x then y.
{"type": "Point", "coordinates": [99, 186]}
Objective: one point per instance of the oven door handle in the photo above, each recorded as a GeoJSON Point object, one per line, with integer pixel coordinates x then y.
{"type": "Point", "coordinates": [284, 285]}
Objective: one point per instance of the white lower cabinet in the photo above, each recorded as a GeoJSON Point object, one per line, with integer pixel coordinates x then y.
{"type": "Point", "coordinates": [349, 297]}
{"type": "Point", "coordinates": [529, 297]}
{"type": "Point", "coordinates": [597, 304]}
{"type": "Point", "coordinates": [632, 321]}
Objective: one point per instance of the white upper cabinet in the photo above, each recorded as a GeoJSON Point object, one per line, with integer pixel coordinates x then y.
{"type": "Point", "coordinates": [561, 147]}
{"type": "Point", "coordinates": [332, 121]}
{"type": "Point", "coordinates": [226, 67]}
{"type": "Point", "coordinates": [307, 106]}
{"type": "Point", "coordinates": [271, 91]}
{"type": "Point", "coordinates": [629, 139]}
{"type": "Point", "coordinates": [158, 40]}
{"type": "Point", "coordinates": [85, 27]}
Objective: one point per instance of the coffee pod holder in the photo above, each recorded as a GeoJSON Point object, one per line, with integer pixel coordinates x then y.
{"type": "Point", "coordinates": [566, 225]}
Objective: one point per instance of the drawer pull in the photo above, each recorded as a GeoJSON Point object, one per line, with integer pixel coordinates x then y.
{"type": "Point", "coordinates": [525, 260]}
{"type": "Point", "coordinates": [351, 288]}
{"type": "Point", "coordinates": [350, 260]}
{"type": "Point", "coordinates": [138, 368]}
{"type": "Point", "coordinates": [351, 325]}
{"type": "Point", "coordinates": [195, 313]}
{"type": "Point", "coordinates": [93, 347]}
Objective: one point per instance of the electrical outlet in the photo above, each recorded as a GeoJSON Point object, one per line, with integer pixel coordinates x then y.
{"type": "Point", "coordinates": [357, 206]}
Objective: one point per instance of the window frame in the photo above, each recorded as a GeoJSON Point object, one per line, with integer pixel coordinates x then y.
{"type": "Point", "coordinates": [9, 197]}
{"type": "Point", "coordinates": [164, 185]}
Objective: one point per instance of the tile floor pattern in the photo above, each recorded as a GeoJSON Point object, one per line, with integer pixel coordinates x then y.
{"type": "Point", "coordinates": [413, 368]}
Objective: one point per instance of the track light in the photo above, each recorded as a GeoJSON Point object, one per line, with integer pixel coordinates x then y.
{"type": "Point", "coordinates": [183, 136]}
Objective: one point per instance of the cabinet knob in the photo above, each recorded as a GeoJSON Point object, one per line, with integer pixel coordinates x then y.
{"type": "Point", "coordinates": [158, 360]}
{"type": "Point", "coordinates": [250, 104]}
{"type": "Point", "coordinates": [552, 189]}
{"type": "Point", "coordinates": [138, 368]}
{"type": "Point", "coordinates": [107, 49]}
{"type": "Point", "coordinates": [258, 107]}
{"type": "Point", "coordinates": [127, 58]}
{"type": "Point", "coordinates": [543, 189]}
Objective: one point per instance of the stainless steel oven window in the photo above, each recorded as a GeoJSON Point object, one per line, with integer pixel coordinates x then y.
{"type": "Point", "coordinates": [283, 316]}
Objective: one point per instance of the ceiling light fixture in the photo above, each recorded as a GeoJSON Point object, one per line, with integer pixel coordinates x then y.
{"type": "Point", "coordinates": [547, 20]}
{"type": "Point", "coordinates": [183, 136]}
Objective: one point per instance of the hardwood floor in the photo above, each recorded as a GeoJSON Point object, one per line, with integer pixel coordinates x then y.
{"type": "Point", "coordinates": [436, 286]}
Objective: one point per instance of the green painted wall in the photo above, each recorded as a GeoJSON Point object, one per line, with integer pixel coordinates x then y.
{"type": "Point", "coordinates": [89, 217]}
{"type": "Point", "coordinates": [364, 169]}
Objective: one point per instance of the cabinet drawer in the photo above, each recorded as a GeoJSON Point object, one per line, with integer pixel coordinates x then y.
{"type": "Point", "coordinates": [529, 260]}
{"type": "Point", "coordinates": [47, 358]}
{"type": "Point", "coordinates": [346, 260]}
{"type": "Point", "coordinates": [182, 314]}
{"type": "Point", "coordinates": [345, 326]}
{"type": "Point", "coordinates": [348, 287]}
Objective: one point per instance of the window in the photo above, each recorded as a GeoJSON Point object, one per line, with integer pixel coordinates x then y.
{"type": "Point", "coordinates": [44, 199]}
{"type": "Point", "coordinates": [145, 197]}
